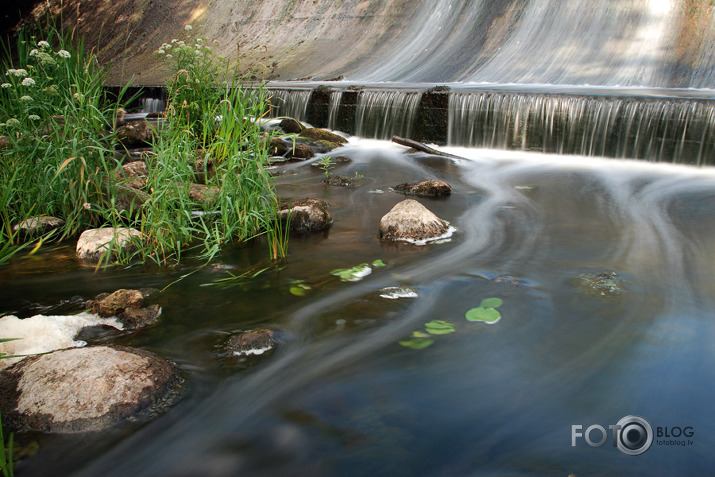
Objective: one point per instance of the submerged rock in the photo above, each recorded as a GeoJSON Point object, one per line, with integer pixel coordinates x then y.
{"type": "Point", "coordinates": [254, 342]}
{"type": "Point", "coordinates": [127, 306]}
{"type": "Point", "coordinates": [83, 389]}
{"type": "Point", "coordinates": [600, 283]}
{"type": "Point", "coordinates": [35, 226]}
{"type": "Point", "coordinates": [411, 221]}
{"type": "Point", "coordinates": [306, 215]}
{"type": "Point", "coordinates": [430, 188]}
{"type": "Point", "coordinates": [94, 243]}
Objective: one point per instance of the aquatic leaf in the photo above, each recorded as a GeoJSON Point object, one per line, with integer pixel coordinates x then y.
{"type": "Point", "coordinates": [487, 315]}
{"type": "Point", "coordinates": [439, 327]}
{"type": "Point", "coordinates": [297, 291]}
{"type": "Point", "coordinates": [378, 263]}
{"type": "Point", "coordinates": [417, 343]}
{"type": "Point", "coordinates": [353, 274]}
{"type": "Point", "coordinates": [491, 303]}
{"type": "Point", "coordinates": [420, 334]}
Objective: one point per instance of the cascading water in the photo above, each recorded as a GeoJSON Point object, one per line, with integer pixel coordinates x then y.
{"type": "Point", "coordinates": [669, 130]}
{"type": "Point", "coordinates": [382, 114]}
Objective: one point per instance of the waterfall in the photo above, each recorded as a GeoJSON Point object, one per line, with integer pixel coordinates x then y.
{"type": "Point", "coordinates": [672, 130]}
{"type": "Point", "coordinates": [290, 102]}
{"type": "Point", "coordinates": [383, 114]}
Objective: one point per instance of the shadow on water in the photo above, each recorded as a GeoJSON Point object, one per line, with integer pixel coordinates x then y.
{"type": "Point", "coordinates": [340, 396]}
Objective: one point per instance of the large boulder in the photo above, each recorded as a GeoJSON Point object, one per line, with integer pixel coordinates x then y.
{"type": "Point", "coordinates": [306, 215]}
{"type": "Point", "coordinates": [429, 188]}
{"type": "Point", "coordinates": [94, 243]}
{"type": "Point", "coordinates": [411, 221]}
{"type": "Point", "coordinates": [83, 389]}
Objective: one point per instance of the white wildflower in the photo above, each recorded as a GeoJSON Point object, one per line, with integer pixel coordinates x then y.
{"type": "Point", "coordinates": [64, 54]}
{"type": "Point", "coordinates": [6, 85]}
{"type": "Point", "coordinates": [188, 28]}
{"type": "Point", "coordinates": [26, 98]}
{"type": "Point", "coordinates": [43, 44]}
{"type": "Point", "coordinates": [12, 122]}
{"type": "Point", "coordinates": [169, 55]}
{"type": "Point", "coordinates": [34, 117]}
{"type": "Point", "coordinates": [20, 73]}
{"type": "Point", "coordinates": [34, 51]}
{"type": "Point", "coordinates": [28, 82]}
{"type": "Point", "coordinates": [160, 51]}
{"type": "Point", "coordinates": [199, 41]}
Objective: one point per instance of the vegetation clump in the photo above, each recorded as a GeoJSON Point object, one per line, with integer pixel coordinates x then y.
{"type": "Point", "coordinates": [57, 154]}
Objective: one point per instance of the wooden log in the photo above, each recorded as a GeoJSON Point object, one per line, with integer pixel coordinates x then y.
{"type": "Point", "coordinates": [422, 147]}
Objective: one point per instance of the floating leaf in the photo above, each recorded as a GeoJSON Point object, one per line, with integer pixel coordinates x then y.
{"type": "Point", "coordinates": [420, 334]}
{"type": "Point", "coordinates": [378, 263]}
{"type": "Point", "coordinates": [487, 315]}
{"type": "Point", "coordinates": [491, 303]}
{"type": "Point", "coordinates": [417, 343]}
{"type": "Point", "coordinates": [353, 274]}
{"type": "Point", "coordinates": [439, 327]}
{"type": "Point", "coordinates": [297, 291]}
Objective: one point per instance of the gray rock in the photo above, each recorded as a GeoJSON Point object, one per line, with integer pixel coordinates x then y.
{"type": "Point", "coordinates": [203, 193]}
{"type": "Point", "coordinates": [306, 215]}
{"type": "Point", "coordinates": [38, 225]}
{"type": "Point", "coordinates": [409, 220]}
{"type": "Point", "coordinates": [83, 389]}
{"type": "Point", "coordinates": [94, 243]}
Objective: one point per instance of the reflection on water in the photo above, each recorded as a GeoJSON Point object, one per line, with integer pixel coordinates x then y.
{"type": "Point", "coordinates": [340, 397]}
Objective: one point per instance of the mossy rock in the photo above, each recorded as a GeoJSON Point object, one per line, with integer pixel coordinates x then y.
{"type": "Point", "coordinates": [318, 134]}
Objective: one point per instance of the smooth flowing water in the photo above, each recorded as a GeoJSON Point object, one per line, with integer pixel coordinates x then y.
{"type": "Point", "coordinates": [341, 396]}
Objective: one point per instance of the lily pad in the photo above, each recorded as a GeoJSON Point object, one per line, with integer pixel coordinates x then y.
{"type": "Point", "coordinates": [353, 274]}
{"type": "Point", "coordinates": [378, 263]}
{"type": "Point", "coordinates": [487, 315]}
{"type": "Point", "coordinates": [492, 302]}
{"type": "Point", "coordinates": [439, 327]}
{"type": "Point", "coordinates": [419, 340]}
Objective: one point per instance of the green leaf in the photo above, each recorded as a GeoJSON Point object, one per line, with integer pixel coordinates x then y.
{"type": "Point", "coordinates": [491, 303]}
{"type": "Point", "coordinates": [417, 343]}
{"type": "Point", "coordinates": [439, 327]}
{"type": "Point", "coordinates": [378, 263]}
{"type": "Point", "coordinates": [297, 291]}
{"type": "Point", "coordinates": [487, 315]}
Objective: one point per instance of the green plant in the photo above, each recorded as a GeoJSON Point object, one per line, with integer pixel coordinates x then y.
{"type": "Point", "coordinates": [54, 115]}
{"type": "Point", "coordinates": [220, 125]}
{"type": "Point", "coordinates": [486, 312]}
{"type": "Point", "coordinates": [326, 163]}
{"type": "Point", "coordinates": [6, 463]}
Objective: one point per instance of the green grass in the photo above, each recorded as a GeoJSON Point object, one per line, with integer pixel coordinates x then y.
{"type": "Point", "coordinates": [60, 157]}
